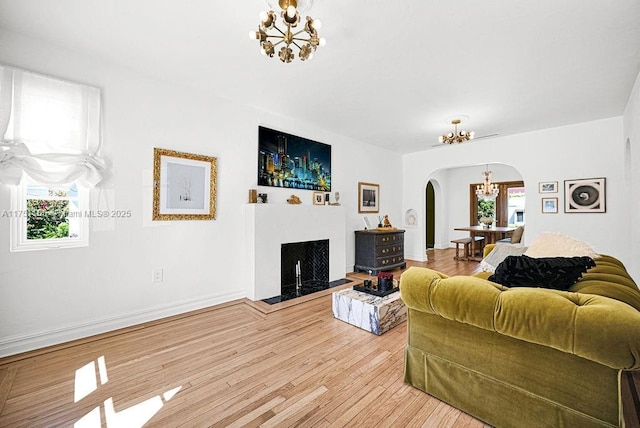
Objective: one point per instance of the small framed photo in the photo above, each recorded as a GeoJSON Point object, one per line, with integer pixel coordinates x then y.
{"type": "Point", "coordinates": [318, 198]}
{"type": "Point", "coordinates": [548, 187]}
{"type": "Point", "coordinates": [367, 225]}
{"type": "Point", "coordinates": [585, 195]}
{"type": "Point", "coordinates": [368, 198]}
{"type": "Point", "coordinates": [549, 205]}
{"type": "Point", "coordinates": [184, 186]}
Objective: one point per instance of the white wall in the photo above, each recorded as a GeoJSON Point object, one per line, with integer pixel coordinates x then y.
{"type": "Point", "coordinates": [587, 150]}
{"type": "Point", "coordinates": [47, 297]}
{"type": "Point", "coordinates": [631, 121]}
{"type": "Point", "coordinates": [452, 197]}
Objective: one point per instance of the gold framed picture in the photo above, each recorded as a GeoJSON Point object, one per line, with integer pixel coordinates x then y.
{"type": "Point", "coordinates": [184, 186]}
{"type": "Point", "coordinates": [368, 197]}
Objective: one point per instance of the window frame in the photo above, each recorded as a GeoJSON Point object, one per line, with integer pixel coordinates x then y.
{"type": "Point", "coordinates": [18, 220]}
{"type": "Point", "coordinates": [502, 206]}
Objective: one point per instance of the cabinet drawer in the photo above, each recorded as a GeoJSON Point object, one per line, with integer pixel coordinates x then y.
{"type": "Point", "coordinates": [391, 238]}
{"type": "Point", "coordinates": [388, 261]}
{"type": "Point", "coordinates": [389, 250]}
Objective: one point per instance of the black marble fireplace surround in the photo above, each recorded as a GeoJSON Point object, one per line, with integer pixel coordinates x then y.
{"type": "Point", "coordinates": [314, 269]}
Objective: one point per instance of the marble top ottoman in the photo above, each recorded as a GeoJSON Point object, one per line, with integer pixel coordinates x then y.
{"type": "Point", "coordinates": [374, 314]}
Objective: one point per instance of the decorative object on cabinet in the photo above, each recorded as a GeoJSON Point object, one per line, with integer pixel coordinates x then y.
{"type": "Point", "coordinates": [253, 196]}
{"type": "Point", "coordinates": [378, 250]}
{"type": "Point", "coordinates": [368, 197]}
{"type": "Point", "coordinates": [184, 186]}
{"type": "Point", "coordinates": [367, 225]}
{"type": "Point", "coordinates": [294, 200]}
{"type": "Point", "coordinates": [585, 195]}
{"type": "Point", "coordinates": [548, 187]}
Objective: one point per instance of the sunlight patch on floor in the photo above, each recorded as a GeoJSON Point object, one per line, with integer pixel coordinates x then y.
{"type": "Point", "coordinates": [132, 417]}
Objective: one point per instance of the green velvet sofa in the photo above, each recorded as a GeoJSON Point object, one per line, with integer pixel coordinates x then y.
{"type": "Point", "coordinates": [524, 357]}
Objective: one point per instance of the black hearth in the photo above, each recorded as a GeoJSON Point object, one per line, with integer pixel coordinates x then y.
{"type": "Point", "coordinates": [304, 269]}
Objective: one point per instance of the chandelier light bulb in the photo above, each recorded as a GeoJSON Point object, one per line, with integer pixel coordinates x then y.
{"type": "Point", "coordinates": [291, 11]}
{"type": "Point", "coordinates": [263, 16]}
{"type": "Point", "coordinates": [317, 24]}
{"type": "Point", "coordinates": [252, 35]}
{"type": "Point", "coordinates": [323, 41]}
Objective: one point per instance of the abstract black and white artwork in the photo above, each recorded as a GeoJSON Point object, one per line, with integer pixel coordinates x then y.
{"type": "Point", "coordinates": [585, 195]}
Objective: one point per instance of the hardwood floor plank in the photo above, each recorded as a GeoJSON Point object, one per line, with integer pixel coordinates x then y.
{"type": "Point", "coordinates": [7, 377]}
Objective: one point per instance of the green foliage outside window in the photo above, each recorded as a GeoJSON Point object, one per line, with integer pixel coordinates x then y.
{"type": "Point", "coordinates": [486, 208]}
{"type": "Point", "coordinates": [47, 219]}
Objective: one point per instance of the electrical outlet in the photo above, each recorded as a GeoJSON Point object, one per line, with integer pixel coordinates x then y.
{"type": "Point", "coordinates": [157, 275]}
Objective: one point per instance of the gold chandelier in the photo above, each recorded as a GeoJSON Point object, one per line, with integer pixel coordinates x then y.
{"type": "Point", "coordinates": [455, 136]}
{"type": "Point", "coordinates": [290, 20]}
{"type": "Point", "coordinates": [487, 190]}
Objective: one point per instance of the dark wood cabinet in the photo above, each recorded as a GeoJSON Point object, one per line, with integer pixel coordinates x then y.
{"type": "Point", "coordinates": [379, 250]}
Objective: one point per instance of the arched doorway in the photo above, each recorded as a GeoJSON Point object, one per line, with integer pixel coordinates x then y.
{"type": "Point", "coordinates": [430, 216]}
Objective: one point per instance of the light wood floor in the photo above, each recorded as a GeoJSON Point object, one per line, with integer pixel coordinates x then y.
{"type": "Point", "coordinates": [237, 364]}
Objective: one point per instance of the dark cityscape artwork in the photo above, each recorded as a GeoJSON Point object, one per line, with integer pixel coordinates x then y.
{"type": "Point", "coordinates": [285, 160]}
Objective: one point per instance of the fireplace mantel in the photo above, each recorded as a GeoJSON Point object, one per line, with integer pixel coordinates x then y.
{"type": "Point", "coordinates": [268, 226]}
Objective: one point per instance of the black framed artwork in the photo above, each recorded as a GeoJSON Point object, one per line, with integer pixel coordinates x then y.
{"type": "Point", "coordinates": [587, 195]}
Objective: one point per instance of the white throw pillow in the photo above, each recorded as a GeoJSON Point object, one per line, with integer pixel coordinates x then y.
{"type": "Point", "coordinates": [499, 253]}
{"type": "Point", "coordinates": [558, 245]}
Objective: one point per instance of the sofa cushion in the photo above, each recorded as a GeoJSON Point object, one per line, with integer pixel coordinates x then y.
{"type": "Point", "coordinates": [498, 254]}
{"type": "Point", "coordinates": [558, 273]}
{"type": "Point", "coordinates": [558, 245]}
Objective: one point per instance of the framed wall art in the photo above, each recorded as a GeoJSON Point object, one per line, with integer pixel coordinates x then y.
{"type": "Point", "coordinates": [549, 205]}
{"type": "Point", "coordinates": [318, 198]}
{"type": "Point", "coordinates": [286, 160]}
{"type": "Point", "coordinates": [368, 198]}
{"type": "Point", "coordinates": [548, 187]}
{"type": "Point", "coordinates": [184, 186]}
{"type": "Point", "coordinates": [585, 195]}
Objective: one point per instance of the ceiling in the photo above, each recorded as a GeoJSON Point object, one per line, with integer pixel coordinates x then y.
{"type": "Point", "coordinates": [392, 73]}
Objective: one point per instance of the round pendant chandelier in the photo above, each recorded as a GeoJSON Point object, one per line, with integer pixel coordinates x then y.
{"type": "Point", "coordinates": [270, 33]}
{"type": "Point", "coordinates": [456, 136]}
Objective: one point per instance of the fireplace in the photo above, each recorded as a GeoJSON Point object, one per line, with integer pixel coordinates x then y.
{"type": "Point", "coordinates": [303, 266]}
{"type": "Point", "coordinates": [270, 226]}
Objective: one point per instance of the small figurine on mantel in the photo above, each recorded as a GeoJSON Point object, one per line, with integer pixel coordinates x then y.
{"type": "Point", "coordinates": [294, 200]}
{"type": "Point", "coordinates": [387, 223]}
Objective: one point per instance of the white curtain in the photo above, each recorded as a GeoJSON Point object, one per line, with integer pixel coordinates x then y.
{"type": "Point", "coordinates": [50, 130]}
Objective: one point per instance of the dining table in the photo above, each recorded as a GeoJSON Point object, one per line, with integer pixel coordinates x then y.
{"type": "Point", "coordinates": [490, 234]}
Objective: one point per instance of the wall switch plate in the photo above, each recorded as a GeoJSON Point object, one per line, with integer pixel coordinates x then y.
{"type": "Point", "coordinates": [157, 275]}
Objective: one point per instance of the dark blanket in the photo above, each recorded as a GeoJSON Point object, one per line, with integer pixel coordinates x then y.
{"type": "Point", "coordinates": [558, 273]}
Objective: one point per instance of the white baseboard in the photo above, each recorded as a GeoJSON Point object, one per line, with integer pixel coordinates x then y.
{"type": "Point", "coordinates": [29, 342]}
{"type": "Point", "coordinates": [416, 257]}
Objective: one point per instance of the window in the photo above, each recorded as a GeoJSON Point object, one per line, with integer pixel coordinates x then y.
{"type": "Point", "coordinates": [49, 156]}
{"type": "Point", "coordinates": [49, 217]}
{"type": "Point", "coordinates": [507, 208]}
